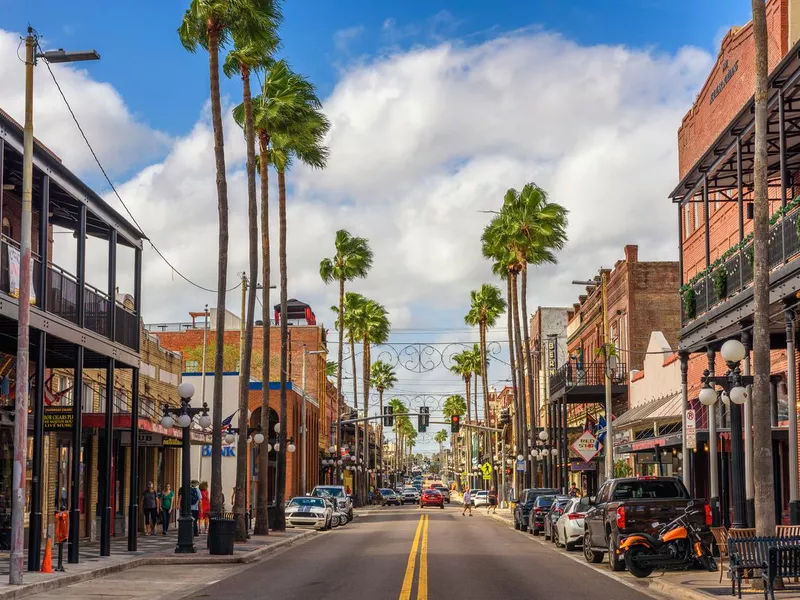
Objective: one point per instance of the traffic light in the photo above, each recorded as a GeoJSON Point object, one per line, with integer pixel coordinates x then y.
{"type": "Point", "coordinates": [388, 416]}
{"type": "Point", "coordinates": [422, 419]}
{"type": "Point", "coordinates": [505, 416]}
{"type": "Point", "coordinates": [427, 412]}
{"type": "Point", "coordinates": [455, 424]}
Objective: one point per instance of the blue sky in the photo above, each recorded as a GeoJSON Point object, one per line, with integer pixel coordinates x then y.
{"type": "Point", "coordinates": [166, 87]}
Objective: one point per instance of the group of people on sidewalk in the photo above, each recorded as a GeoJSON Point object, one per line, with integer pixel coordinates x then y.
{"type": "Point", "coordinates": [157, 506]}
{"type": "Point", "coordinates": [468, 501]}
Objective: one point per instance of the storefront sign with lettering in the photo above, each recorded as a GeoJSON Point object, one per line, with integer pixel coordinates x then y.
{"type": "Point", "coordinates": [729, 73]}
{"type": "Point", "coordinates": [58, 418]}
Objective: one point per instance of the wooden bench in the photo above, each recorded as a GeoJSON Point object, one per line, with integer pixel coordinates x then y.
{"type": "Point", "coordinates": [783, 561]}
{"type": "Point", "coordinates": [749, 554]}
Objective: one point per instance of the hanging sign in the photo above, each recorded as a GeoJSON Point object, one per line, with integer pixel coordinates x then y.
{"type": "Point", "coordinates": [691, 429]}
{"type": "Point", "coordinates": [168, 441]}
{"type": "Point", "coordinates": [146, 439]}
{"type": "Point", "coordinates": [520, 465]}
{"type": "Point", "coordinates": [58, 418]}
{"type": "Point", "coordinates": [585, 446]}
{"type": "Point", "coordinates": [13, 274]}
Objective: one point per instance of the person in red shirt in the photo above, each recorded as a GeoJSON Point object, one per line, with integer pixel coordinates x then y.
{"type": "Point", "coordinates": [205, 507]}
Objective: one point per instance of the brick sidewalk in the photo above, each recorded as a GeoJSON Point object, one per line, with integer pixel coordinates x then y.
{"type": "Point", "coordinates": [152, 550]}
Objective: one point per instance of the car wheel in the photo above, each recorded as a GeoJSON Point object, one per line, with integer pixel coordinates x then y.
{"type": "Point", "coordinates": [335, 521]}
{"type": "Point", "coordinates": [570, 546]}
{"type": "Point", "coordinates": [516, 524]}
{"type": "Point", "coordinates": [590, 555]}
{"type": "Point", "coordinates": [614, 563]}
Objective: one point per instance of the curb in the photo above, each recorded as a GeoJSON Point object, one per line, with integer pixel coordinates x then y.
{"type": "Point", "coordinates": [67, 580]}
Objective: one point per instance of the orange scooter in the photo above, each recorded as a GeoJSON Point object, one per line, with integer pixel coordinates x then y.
{"type": "Point", "coordinates": [678, 545]}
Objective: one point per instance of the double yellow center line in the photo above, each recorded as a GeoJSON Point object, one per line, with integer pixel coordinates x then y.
{"type": "Point", "coordinates": [420, 545]}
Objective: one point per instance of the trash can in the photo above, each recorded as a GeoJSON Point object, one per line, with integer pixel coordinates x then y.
{"type": "Point", "coordinates": [221, 532]}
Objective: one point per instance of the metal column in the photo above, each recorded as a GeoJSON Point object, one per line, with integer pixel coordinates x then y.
{"type": "Point", "coordinates": [713, 471]}
{"type": "Point", "coordinates": [749, 485]}
{"type": "Point", "coordinates": [685, 451]}
{"type": "Point", "coordinates": [791, 382]}
{"type": "Point", "coordinates": [133, 506]}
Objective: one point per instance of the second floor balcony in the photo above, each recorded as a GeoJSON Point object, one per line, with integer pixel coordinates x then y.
{"type": "Point", "coordinates": [585, 382]}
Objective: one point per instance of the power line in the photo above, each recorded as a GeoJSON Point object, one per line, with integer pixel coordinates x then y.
{"type": "Point", "coordinates": [114, 189]}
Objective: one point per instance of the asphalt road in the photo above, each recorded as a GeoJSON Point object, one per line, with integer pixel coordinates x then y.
{"type": "Point", "coordinates": [408, 553]}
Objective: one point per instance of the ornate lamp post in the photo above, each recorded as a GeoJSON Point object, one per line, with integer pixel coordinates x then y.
{"type": "Point", "coordinates": [735, 394]}
{"type": "Point", "coordinates": [183, 416]}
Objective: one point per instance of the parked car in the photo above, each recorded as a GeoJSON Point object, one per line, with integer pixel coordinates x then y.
{"type": "Point", "coordinates": [631, 505]}
{"type": "Point", "coordinates": [443, 491]}
{"type": "Point", "coordinates": [536, 517]}
{"type": "Point", "coordinates": [552, 515]}
{"type": "Point", "coordinates": [431, 498]}
{"type": "Point", "coordinates": [481, 498]}
{"type": "Point", "coordinates": [410, 496]}
{"type": "Point", "coordinates": [569, 527]}
{"type": "Point", "coordinates": [387, 497]}
{"type": "Point", "coordinates": [338, 493]}
{"type": "Point", "coordinates": [524, 503]}
{"type": "Point", "coordinates": [305, 511]}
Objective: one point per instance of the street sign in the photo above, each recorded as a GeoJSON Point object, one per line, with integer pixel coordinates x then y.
{"type": "Point", "coordinates": [486, 477]}
{"type": "Point", "coordinates": [520, 465]}
{"type": "Point", "coordinates": [584, 446]}
{"type": "Point", "coordinates": [58, 418]}
{"type": "Point", "coordinates": [486, 468]}
{"type": "Point", "coordinates": [145, 438]}
{"type": "Point", "coordinates": [691, 429]}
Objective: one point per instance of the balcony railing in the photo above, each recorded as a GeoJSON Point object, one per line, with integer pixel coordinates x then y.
{"type": "Point", "coordinates": [574, 374]}
{"type": "Point", "coordinates": [735, 273]}
{"type": "Point", "coordinates": [62, 298]}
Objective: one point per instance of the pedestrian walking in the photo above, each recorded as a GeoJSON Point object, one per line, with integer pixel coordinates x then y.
{"type": "Point", "coordinates": [166, 508]}
{"type": "Point", "coordinates": [467, 503]}
{"type": "Point", "coordinates": [205, 507]}
{"type": "Point", "coordinates": [150, 508]}
{"type": "Point", "coordinates": [574, 492]}
{"type": "Point", "coordinates": [492, 508]}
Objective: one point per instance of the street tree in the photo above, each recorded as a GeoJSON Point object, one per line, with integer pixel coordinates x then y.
{"type": "Point", "coordinates": [762, 426]}
{"type": "Point", "coordinates": [382, 378]}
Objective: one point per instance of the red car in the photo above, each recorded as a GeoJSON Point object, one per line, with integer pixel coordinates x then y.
{"type": "Point", "coordinates": [431, 498]}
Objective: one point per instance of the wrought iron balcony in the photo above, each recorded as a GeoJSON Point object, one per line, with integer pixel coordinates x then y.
{"type": "Point", "coordinates": [735, 274]}
{"type": "Point", "coordinates": [62, 299]}
{"type": "Point", "coordinates": [573, 374]}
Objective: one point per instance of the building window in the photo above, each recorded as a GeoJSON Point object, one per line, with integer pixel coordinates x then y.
{"type": "Point", "coordinates": [696, 216]}
{"type": "Point", "coordinates": [687, 221]}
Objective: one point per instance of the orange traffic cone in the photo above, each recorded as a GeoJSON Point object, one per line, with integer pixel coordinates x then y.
{"type": "Point", "coordinates": [47, 563]}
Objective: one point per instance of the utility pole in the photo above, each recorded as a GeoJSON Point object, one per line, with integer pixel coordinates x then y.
{"type": "Point", "coordinates": [242, 323]}
{"type": "Point", "coordinates": [206, 318]}
{"type": "Point", "coordinates": [607, 343]}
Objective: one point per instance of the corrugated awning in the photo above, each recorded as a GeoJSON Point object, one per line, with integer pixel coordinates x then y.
{"type": "Point", "coordinates": [666, 408]}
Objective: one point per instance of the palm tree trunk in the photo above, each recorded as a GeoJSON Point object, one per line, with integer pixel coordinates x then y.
{"type": "Point", "coordinates": [762, 426]}
{"type": "Point", "coordinates": [380, 433]}
{"type": "Point", "coordinates": [354, 453]}
{"type": "Point", "coordinates": [522, 436]}
{"type": "Point", "coordinates": [339, 394]}
{"type": "Point", "coordinates": [240, 506]}
{"type": "Point", "coordinates": [533, 405]}
{"type": "Point", "coordinates": [280, 492]}
{"type": "Point", "coordinates": [517, 414]}
{"type": "Point", "coordinates": [468, 435]}
{"type": "Point", "coordinates": [365, 455]}
{"type": "Point", "coordinates": [262, 510]}
{"type": "Point", "coordinates": [485, 384]}
{"type": "Point", "coordinates": [222, 267]}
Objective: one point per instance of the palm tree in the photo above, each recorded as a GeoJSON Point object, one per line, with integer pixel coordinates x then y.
{"type": "Point", "coordinates": [382, 378]}
{"type": "Point", "coordinates": [352, 260]}
{"type": "Point", "coordinates": [207, 24]}
{"type": "Point", "coordinates": [399, 411]}
{"type": "Point", "coordinates": [330, 368]}
{"type": "Point", "coordinates": [762, 430]}
{"type": "Point", "coordinates": [454, 405]}
{"type": "Point", "coordinates": [298, 135]}
{"type": "Point", "coordinates": [486, 306]}
{"type": "Point", "coordinates": [250, 55]}
{"type": "Point", "coordinates": [440, 438]}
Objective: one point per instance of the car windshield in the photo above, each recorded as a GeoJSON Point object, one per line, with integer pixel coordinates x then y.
{"type": "Point", "coordinates": [386, 491]}
{"type": "Point", "coordinates": [482, 493]}
{"type": "Point", "coordinates": [305, 501]}
{"type": "Point", "coordinates": [336, 492]}
{"type": "Point", "coordinates": [648, 489]}
{"type": "Point", "coordinates": [545, 501]}
{"type": "Point", "coordinates": [432, 492]}
{"type": "Point", "coordinates": [411, 490]}
{"type": "Point", "coordinates": [532, 495]}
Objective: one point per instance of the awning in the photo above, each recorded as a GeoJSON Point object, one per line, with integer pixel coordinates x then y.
{"type": "Point", "coordinates": [123, 421]}
{"type": "Point", "coordinates": [661, 409]}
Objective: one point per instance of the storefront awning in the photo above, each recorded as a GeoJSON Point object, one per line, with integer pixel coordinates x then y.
{"type": "Point", "coordinates": [123, 421]}
{"type": "Point", "coordinates": [667, 408]}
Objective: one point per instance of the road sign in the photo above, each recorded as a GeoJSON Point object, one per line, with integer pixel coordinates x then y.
{"type": "Point", "coordinates": [487, 470]}
{"type": "Point", "coordinates": [691, 429]}
{"type": "Point", "coordinates": [520, 465]}
{"type": "Point", "coordinates": [584, 446]}
{"type": "Point", "coordinates": [486, 477]}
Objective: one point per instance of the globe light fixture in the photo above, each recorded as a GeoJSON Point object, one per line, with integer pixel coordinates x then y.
{"type": "Point", "coordinates": [229, 438]}
{"type": "Point", "coordinates": [291, 447]}
{"type": "Point", "coordinates": [520, 457]}
{"type": "Point", "coordinates": [339, 462]}
{"type": "Point", "coordinates": [733, 351]}
{"type": "Point", "coordinates": [534, 453]}
{"type": "Point", "coordinates": [277, 447]}
{"type": "Point", "coordinates": [543, 435]}
{"type": "Point", "coordinates": [185, 420]}
{"type": "Point", "coordinates": [258, 438]}
{"type": "Point", "coordinates": [204, 421]}
{"type": "Point", "coordinates": [277, 428]}
{"type": "Point", "coordinates": [332, 449]}
{"type": "Point", "coordinates": [269, 447]}
{"type": "Point", "coordinates": [708, 396]}
{"type": "Point", "coordinates": [167, 421]}
{"type": "Point", "coordinates": [738, 395]}
{"type": "Point", "coordinates": [186, 390]}
{"type": "Point", "coordinates": [726, 400]}
{"type": "Point", "coordinates": [554, 451]}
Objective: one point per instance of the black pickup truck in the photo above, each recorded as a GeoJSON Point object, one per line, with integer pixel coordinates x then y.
{"type": "Point", "coordinates": [631, 505]}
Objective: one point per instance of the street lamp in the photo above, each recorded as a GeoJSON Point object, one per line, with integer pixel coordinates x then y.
{"type": "Point", "coordinates": [184, 414]}
{"type": "Point", "coordinates": [254, 433]}
{"type": "Point", "coordinates": [16, 567]}
{"type": "Point", "coordinates": [733, 385]}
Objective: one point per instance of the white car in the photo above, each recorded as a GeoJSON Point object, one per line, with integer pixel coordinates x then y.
{"type": "Point", "coordinates": [305, 511]}
{"type": "Point", "coordinates": [337, 494]}
{"type": "Point", "coordinates": [569, 527]}
{"type": "Point", "coordinates": [481, 498]}
{"type": "Point", "coordinates": [410, 496]}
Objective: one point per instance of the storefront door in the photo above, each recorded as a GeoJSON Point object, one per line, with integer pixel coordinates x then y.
{"type": "Point", "coordinates": [63, 491]}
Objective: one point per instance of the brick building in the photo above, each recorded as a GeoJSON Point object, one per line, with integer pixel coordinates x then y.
{"type": "Point", "coordinates": [641, 298]}
{"type": "Point", "coordinates": [713, 197]}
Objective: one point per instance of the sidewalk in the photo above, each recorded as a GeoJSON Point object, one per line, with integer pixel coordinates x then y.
{"type": "Point", "coordinates": [682, 585]}
{"type": "Point", "coordinates": [152, 550]}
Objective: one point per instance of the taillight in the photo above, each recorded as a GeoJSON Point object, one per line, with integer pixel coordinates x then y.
{"type": "Point", "coordinates": [538, 510]}
{"type": "Point", "coordinates": [709, 516]}
{"type": "Point", "coordinates": [621, 517]}
{"type": "Point", "coordinates": [575, 516]}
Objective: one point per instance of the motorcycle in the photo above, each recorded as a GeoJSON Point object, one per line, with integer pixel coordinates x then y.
{"type": "Point", "coordinates": [677, 545]}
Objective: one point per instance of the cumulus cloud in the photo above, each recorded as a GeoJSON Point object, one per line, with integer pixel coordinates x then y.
{"type": "Point", "coordinates": [422, 142]}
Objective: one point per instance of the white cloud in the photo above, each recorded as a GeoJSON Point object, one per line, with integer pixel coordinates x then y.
{"type": "Point", "coordinates": [344, 37]}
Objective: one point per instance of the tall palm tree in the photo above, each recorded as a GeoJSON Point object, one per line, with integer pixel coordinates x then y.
{"type": "Point", "coordinates": [382, 378]}
{"type": "Point", "coordinates": [440, 438]}
{"type": "Point", "coordinates": [400, 412]}
{"type": "Point", "coordinates": [352, 260]}
{"type": "Point", "coordinates": [454, 405]}
{"type": "Point", "coordinates": [299, 135]}
{"type": "Point", "coordinates": [250, 55]}
{"type": "Point", "coordinates": [486, 306]}
{"type": "Point", "coordinates": [207, 24]}
{"type": "Point", "coordinates": [762, 429]}
{"type": "Point", "coordinates": [330, 368]}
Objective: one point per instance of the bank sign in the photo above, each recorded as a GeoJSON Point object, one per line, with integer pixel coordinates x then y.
{"type": "Point", "coordinates": [226, 450]}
